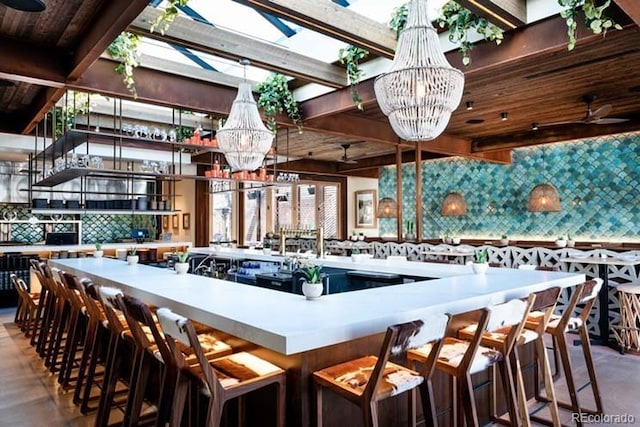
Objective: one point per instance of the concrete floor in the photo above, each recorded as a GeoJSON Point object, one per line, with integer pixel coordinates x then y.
{"type": "Point", "coordinates": [29, 395]}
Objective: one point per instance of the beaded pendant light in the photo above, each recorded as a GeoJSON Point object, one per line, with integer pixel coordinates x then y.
{"type": "Point", "coordinates": [244, 139]}
{"type": "Point", "coordinates": [421, 89]}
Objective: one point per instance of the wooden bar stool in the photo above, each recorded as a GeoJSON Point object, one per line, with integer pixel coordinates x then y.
{"type": "Point", "coordinates": [225, 378]}
{"type": "Point", "coordinates": [584, 293]}
{"type": "Point", "coordinates": [462, 358]}
{"type": "Point", "coordinates": [628, 332]}
{"type": "Point", "coordinates": [370, 379]}
{"type": "Point", "coordinates": [27, 306]}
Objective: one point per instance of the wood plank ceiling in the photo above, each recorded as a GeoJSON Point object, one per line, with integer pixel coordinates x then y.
{"type": "Point", "coordinates": [531, 77]}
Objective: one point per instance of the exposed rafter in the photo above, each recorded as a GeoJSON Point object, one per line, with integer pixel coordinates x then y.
{"type": "Point", "coordinates": [331, 19]}
{"type": "Point", "coordinates": [506, 14]}
{"type": "Point", "coordinates": [631, 8]}
{"type": "Point", "coordinates": [452, 146]}
{"type": "Point", "coordinates": [227, 44]}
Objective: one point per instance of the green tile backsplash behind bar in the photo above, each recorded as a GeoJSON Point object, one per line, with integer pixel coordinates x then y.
{"type": "Point", "coordinates": [598, 181]}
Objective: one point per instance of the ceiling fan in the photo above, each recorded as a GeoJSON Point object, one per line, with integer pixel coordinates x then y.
{"type": "Point", "coordinates": [25, 5]}
{"type": "Point", "coordinates": [345, 157]}
{"type": "Point", "coordinates": [596, 117]}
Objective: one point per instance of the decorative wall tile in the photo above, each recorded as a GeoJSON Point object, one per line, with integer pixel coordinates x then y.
{"type": "Point", "coordinates": [598, 181]}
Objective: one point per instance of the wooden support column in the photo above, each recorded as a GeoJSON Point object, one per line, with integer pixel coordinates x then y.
{"type": "Point", "coordinates": [203, 211]}
{"type": "Point", "coordinates": [399, 189]}
{"type": "Point", "coordinates": [419, 191]}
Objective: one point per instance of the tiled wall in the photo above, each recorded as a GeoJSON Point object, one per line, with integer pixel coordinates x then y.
{"type": "Point", "coordinates": [598, 181]}
{"type": "Point", "coordinates": [95, 228]}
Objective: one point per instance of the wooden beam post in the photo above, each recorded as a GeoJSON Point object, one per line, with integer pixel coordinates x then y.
{"type": "Point", "coordinates": [399, 190]}
{"type": "Point", "coordinates": [418, 191]}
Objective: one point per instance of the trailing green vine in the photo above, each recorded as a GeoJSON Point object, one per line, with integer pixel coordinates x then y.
{"type": "Point", "coordinates": [75, 104]}
{"type": "Point", "coordinates": [164, 21]}
{"type": "Point", "coordinates": [594, 18]}
{"type": "Point", "coordinates": [275, 97]}
{"type": "Point", "coordinates": [351, 57]}
{"type": "Point", "coordinates": [125, 49]}
{"type": "Point", "coordinates": [460, 21]}
{"type": "Point", "coordinates": [399, 19]}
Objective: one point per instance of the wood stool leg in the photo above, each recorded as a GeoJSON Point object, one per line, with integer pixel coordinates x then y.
{"type": "Point", "coordinates": [282, 402]}
{"type": "Point", "coordinates": [568, 375]}
{"type": "Point", "coordinates": [428, 403]}
{"type": "Point", "coordinates": [318, 400]}
{"type": "Point", "coordinates": [547, 375]}
{"type": "Point", "coordinates": [588, 358]}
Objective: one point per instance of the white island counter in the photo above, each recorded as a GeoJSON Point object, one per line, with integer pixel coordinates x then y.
{"type": "Point", "coordinates": [289, 324]}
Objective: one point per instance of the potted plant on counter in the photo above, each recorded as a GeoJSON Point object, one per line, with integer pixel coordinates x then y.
{"type": "Point", "coordinates": [312, 281]}
{"type": "Point", "coordinates": [266, 247]}
{"type": "Point", "coordinates": [561, 242]}
{"type": "Point", "coordinates": [481, 261]}
{"type": "Point", "coordinates": [410, 234]}
{"type": "Point", "coordinates": [504, 241]}
{"type": "Point", "coordinates": [354, 236]}
{"type": "Point", "coordinates": [98, 253]}
{"type": "Point", "coordinates": [570, 242]}
{"type": "Point", "coordinates": [132, 256]}
{"type": "Point", "coordinates": [182, 262]}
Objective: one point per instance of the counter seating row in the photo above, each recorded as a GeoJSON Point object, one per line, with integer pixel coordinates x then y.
{"type": "Point", "coordinates": [97, 339]}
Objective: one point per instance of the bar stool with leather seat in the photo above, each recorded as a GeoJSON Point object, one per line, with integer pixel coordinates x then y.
{"type": "Point", "coordinates": [585, 294]}
{"type": "Point", "coordinates": [461, 358]}
{"type": "Point", "coordinates": [27, 306]}
{"type": "Point", "coordinates": [152, 346]}
{"type": "Point", "coordinates": [225, 378]}
{"type": "Point", "coordinates": [370, 379]}
{"type": "Point", "coordinates": [544, 301]}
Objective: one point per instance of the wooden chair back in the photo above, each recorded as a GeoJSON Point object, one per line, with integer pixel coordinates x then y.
{"type": "Point", "coordinates": [109, 299]}
{"type": "Point", "coordinates": [512, 314]}
{"type": "Point", "coordinates": [584, 293]}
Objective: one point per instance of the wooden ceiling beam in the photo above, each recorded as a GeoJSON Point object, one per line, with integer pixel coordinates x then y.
{"type": "Point", "coordinates": [114, 17]}
{"type": "Point", "coordinates": [333, 20]}
{"type": "Point", "coordinates": [505, 14]}
{"type": "Point", "coordinates": [631, 8]}
{"type": "Point", "coordinates": [452, 146]}
{"type": "Point", "coordinates": [31, 64]}
{"type": "Point", "coordinates": [209, 39]}
{"type": "Point", "coordinates": [549, 135]}
{"type": "Point", "coordinates": [386, 160]}
{"type": "Point", "coordinates": [355, 127]}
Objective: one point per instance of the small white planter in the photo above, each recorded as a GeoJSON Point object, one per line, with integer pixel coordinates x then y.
{"type": "Point", "coordinates": [266, 251]}
{"type": "Point", "coordinates": [561, 243]}
{"type": "Point", "coordinates": [571, 243]}
{"type": "Point", "coordinates": [181, 267]}
{"type": "Point", "coordinates": [361, 237]}
{"type": "Point", "coordinates": [132, 259]}
{"type": "Point", "coordinates": [455, 241]}
{"type": "Point", "coordinates": [480, 268]}
{"type": "Point", "coordinates": [98, 254]}
{"type": "Point", "coordinates": [358, 258]}
{"type": "Point", "coordinates": [312, 290]}
{"type": "Point", "coordinates": [504, 242]}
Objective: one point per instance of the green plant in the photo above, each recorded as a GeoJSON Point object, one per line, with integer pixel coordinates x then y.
{"type": "Point", "coordinates": [166, 18]}
{"type": "Point", "coordinates": [75, 104]}
{"type": "Point", "coordinates": [266, 244]}
{"type": "Point", "coordinates": [355, 251]}
{"type": "Point", "coordinates": [562, 237]}
{"type": "Point", "coordinates": [399, 19]}
{"type": "Point", "coordinates": [481, 256]}
{"type": "Point", "coordinates": [504, 237]}
{"type": "Point", "coordinates": [182, 133]}
{"type": "Point", "coordinates": [98, 246]}
{"type": "Point", "coordinates": [410, 226]}
{"type": "Point", "coordinates": [275, 97]}
{"type": "Point", "coordinates": [459, 21]}
{"type": "Point", "coordinates": [182, 256]}
{"type": "Point", "coordinates": [312, 273]}
{"type": "Point", "coordinates": [132, 251]}
{"type": "Point", "coordinates": [350, 57]}
{"type": "Point", "coordinates": [125, 50]}
{"type": "Point", "coordinates": [594, 18]}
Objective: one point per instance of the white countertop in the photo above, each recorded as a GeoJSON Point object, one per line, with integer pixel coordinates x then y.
{"type": "Point", "coordinates": [289, 324]}
{"type": "Point", "coordinates": [89, 247]}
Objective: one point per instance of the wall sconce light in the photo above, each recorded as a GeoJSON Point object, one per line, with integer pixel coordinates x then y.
{"type": "Point", "coordinates": [504, 116]}
{"type": "Point", "coordinates": [469, 105]}
{"type": "Point", "coordinates": [454, 205]}
{"type": "Point", "coordinates": [387, 208]}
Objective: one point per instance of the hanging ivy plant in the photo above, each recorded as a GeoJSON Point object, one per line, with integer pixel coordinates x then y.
{"type": "Point", "coordinates": [351, 57]}
{"type": "Point", "coordinates": [460, 21]}
{"type": "Point", "coordinates": [594, 18]}
{"type": "Point", "coordinates": [76, 103]}
{"type": "Point", "coordinates": [275, 97]}
{"type": "Point", "coordinates": [125, 49]}
{"type": "Point", "coordinates": [164, 21]}
{"type": "Point", "coordinates": [399, 19]}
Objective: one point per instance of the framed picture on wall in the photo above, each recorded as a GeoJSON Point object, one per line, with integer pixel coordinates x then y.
{"type": "Point", "coordinates": [175, 220]}
{"type": "Point", "coordinates": [186, 221]}
{"type": "Point", "coordinates": [366, 209]}
{"type": "Point", "coordinates": [165, 222]}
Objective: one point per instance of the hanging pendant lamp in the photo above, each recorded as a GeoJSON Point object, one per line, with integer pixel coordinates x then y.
{"type": "Point", "coordinates": [544, 198]}
{"type": "Point", "coordinates": [454, 204]}
{"type": "Point", "coordinates": [421, 89]}
{"type": "Point", "coordinates": [244, 139]}
{"type": "Point", "coordinates": [387, 208]}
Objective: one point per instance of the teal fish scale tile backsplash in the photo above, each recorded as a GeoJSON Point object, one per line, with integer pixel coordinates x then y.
{"type": "Point", "coordinates": [598, 181]}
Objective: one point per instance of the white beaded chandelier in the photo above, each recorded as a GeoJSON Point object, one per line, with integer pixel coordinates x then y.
{"type": "Point", "coordinates": [421, 89]}
{"type": "Point", "coordinates": [244, 139]}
